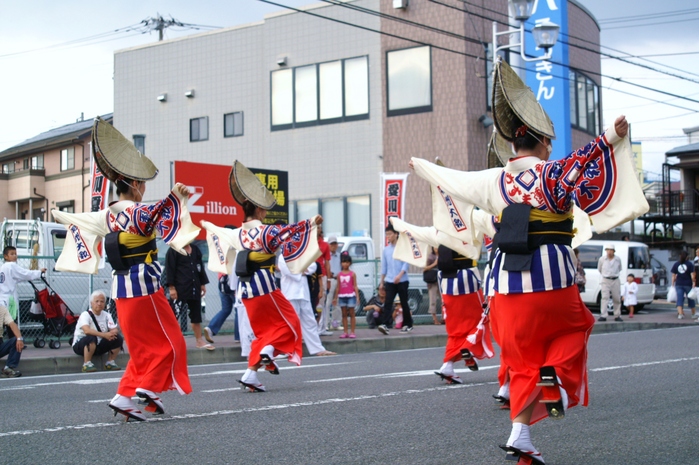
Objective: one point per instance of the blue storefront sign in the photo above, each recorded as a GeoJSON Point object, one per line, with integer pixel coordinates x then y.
{"type": "Point", "coordinates": [549, 79]}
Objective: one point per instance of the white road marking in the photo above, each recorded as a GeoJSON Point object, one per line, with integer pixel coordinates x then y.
{"type": "Point", "coordinates": [403, 374]}
{"type": "Point", "coordinates": [246, 410]}
{"type": "Point", "coordinates": [91, 381]}
{"type": "Point", "coordinates": [645, 364]}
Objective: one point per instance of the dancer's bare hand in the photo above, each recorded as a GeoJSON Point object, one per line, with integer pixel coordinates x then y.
{"type": "Point", "coordinates": [182, 189]}
{"type": "Point", "coordinates": [621, 126]}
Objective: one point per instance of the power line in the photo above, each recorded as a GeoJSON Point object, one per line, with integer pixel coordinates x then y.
{"type": "Point", "coordinates": [652, 24]}
{"type": "Point", "coordinates": [566, 78]}
{"type": "Point", "coordinates": [648, 16]}
{"type": "Point", "coordinates": [74, 41]}
{"type": "Point", "coordinates": [625, 60]}
{"type": "Point", "coordinates": [665, 54]}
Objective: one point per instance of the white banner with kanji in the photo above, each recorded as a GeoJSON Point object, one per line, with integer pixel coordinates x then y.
{"type": "Point", "coordinates": [392, 199]}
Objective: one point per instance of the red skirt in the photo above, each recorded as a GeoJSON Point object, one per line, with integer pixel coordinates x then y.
{"type": "Point", "coordinates": [462, 313]}
{"type": "Point", "coordinates": [158, 353]}
{"type": "Point", "coordinates": [543, 329]}
{"type": "Point", "coordinates": [274, 322]}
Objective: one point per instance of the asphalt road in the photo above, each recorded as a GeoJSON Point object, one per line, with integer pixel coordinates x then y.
{"type": "Point", "coordinates": [367, 408]}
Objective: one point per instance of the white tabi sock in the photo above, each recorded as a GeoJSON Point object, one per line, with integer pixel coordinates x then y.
{"type": "Point", "coordinates": [447, 368]}
{"type": "Point", "coordinates": [250, 376]}
{"type": "Point", "coordinates": [520, 438]}
{"type": "Point", "coordinates": [505, 390]}
{"type": "Point", "coordinates": [268, 350]}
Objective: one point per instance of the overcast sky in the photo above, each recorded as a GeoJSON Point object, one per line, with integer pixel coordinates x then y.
{"type": "Point", "coordinates": [46, 83]}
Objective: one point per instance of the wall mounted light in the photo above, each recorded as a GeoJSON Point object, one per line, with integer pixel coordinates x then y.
{"type": "Point", "coordinates": [545, 34]}
{"type": "Point", "coordinates": [486, 121]}
{"type": "Point", "coordinates": [162, 97]}
{"type": "Point", "coordinates": [189, 93]}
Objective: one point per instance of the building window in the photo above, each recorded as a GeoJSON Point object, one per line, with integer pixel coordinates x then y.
{"type": "Point", "coordinates": [333, 211]}
{"type": "Point", "coordinates": [409, 80]}
{"type": "Point", "coordinates": [8, 168]}
{"type": "Point", "coordinates": [331, 92]}
{"type": "Point", "coordinates": [358, 215]}
{"type": "Point", "coordinates": [37, 162]}
{"type": "Point", "coordinates": [233, 124]}
{"type": "Point", "coordinates": [68, 206]}
{"type": "Point", "coordinates": [345, 216]}
{"type": "Point", "coordinates": [199, 129]}
{"type": "Point", "coordinates": [306, 209]}
{"type": "Point", "coordinates": [25, 164]}
{"type": "Point", "coordinates": [139, 141]}
{"type": "Point", "coordinates": [68, 159]}
{"type": "Point", "coordinates": [584, 103]}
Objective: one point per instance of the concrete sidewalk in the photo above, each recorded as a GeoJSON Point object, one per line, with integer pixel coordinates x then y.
{"type": "Point", "coordinates": [47, 361]}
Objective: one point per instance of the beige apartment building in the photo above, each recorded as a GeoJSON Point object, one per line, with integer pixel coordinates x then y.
{"type": "Point", "coordinates": [50, 170]}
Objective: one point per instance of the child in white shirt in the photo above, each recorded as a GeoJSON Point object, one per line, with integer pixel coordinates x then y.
{"type": "Point", "coordinates": [630, 294]}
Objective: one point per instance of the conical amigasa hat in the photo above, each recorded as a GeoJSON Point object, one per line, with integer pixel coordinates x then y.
{"type": "Point", "coordinates": [514, 104]}
{"type": "Point", "coordinates": [246, 186]}
{"type": "Point", "coordinates": [499, 150]}
{"type": "Point", "coordinates": [117, 157]}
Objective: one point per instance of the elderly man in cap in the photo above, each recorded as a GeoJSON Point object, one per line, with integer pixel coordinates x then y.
{"type": "Point", "coordinates": [609, 267]}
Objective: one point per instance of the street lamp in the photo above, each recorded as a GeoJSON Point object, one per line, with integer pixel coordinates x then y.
{"type": "Point", "coordinates": [545, 33]}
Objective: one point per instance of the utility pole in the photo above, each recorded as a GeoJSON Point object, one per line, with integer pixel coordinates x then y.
{"type": "Point", "coordinates": [160, 24]}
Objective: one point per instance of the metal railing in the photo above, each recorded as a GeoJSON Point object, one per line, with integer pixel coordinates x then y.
{"type": "Point", "coordinates": [674, 203]}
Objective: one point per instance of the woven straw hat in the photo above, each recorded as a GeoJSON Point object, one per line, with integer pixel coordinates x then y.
{"type": "Point", "coordinates": [246, 186]}
{"type": "Point", "coordinates": [117, 157]}
{"type": "Point", "coordinates": [514, 104]}
{"type": "Point", "coordinates": [499, 151]}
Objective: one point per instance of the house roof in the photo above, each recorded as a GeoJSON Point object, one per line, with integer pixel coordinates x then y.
{"type": "Point", "coordinates": [53, 138]}
{"type": "Point", "coordinates": [690, 149]}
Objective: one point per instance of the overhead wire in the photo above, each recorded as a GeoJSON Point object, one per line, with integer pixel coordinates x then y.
{"type": "Point", "coordinates": [566, 78]}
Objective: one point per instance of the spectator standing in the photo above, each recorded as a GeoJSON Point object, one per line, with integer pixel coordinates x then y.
{"type": "Point", "coordinates": [375, 307]}
{"type": "Point", "coordinates": [394, 276]}
{"type": "Point", "coordinates": [609, 267]}
{"type": "Point", "coordinates": [331, 309]}
{"type": "Point", "coordinates": [97, 334]}
{"type": "Point", "coordinates": [684, 279]}
{"type": "Point", "coordinates": [429, 275]}
{"type": "Point", "coordinates": [12, 347]}
{"type": "Point", "coordinates": [227, 296]}
{"type": "Point", "coordinates": [325, 273]}
{"type": "Point", "coordinates": [10, 274]}
{"type": "Point", "coordinates": [630, 294]}
{"type": "Point", "coordinates": [186, 280]}
{"type": "Point", "coordinates": [346, 293]}
{"type": "Point", "coordinates": [295, 289]}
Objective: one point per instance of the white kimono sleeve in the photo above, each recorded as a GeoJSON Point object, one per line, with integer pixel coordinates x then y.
{"type": "Point", "coordinates": [82, 250]}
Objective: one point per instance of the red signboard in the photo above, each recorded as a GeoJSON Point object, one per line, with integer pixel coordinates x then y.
{"type": "Point", "coordinates": [211, 198]}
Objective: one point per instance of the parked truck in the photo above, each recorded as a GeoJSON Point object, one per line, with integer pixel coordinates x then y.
{"type": "Point", "coordinates": [39, 243]}
{"type": "Point", "coordinates": [367, 265]}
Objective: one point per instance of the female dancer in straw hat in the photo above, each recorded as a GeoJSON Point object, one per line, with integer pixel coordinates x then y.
{"type": "Point", "coordinates": [157, 349]}
{"type": "Point", "coordinates": [537, 314]}
{"type": "Point", "coordinates": [462, 297]}
{"type": "Point", "coordinates": [272, 317]}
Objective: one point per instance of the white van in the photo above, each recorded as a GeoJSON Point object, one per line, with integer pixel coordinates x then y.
{"type": "Point", "coordinates": [45, 240]}
{"type": "Point", "coordinates": [635, 259]}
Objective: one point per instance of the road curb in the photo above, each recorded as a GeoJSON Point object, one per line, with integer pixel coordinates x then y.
{"type": "Point", "coordinates": [72, 364]}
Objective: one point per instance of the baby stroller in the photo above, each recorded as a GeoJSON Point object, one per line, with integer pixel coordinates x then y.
{"type": "Point", "coordinates": [52, 311]}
